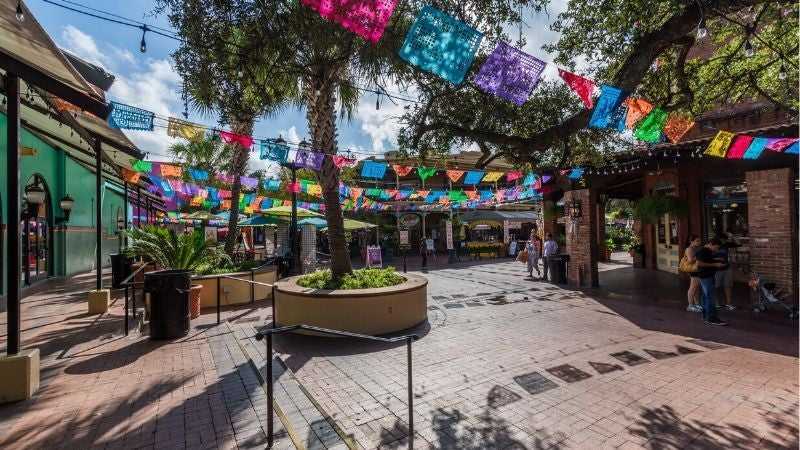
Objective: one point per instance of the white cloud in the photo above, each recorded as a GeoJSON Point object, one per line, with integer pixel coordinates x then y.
{"type": "Point", "coordinates": [291, 135]}
{"type": "Point", "coordinates": [84, 46]}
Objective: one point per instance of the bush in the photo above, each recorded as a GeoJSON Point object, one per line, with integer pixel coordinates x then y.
{"type": "Point", "coordinates": [619, 237]}
{"type": "Point", "coordinates": [359, 279]}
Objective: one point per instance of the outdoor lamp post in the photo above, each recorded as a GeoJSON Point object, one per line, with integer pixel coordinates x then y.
{"type": "Point", "coordinates": [66, 204]}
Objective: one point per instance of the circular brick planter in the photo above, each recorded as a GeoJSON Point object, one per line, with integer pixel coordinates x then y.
{"type": "Point", "coordinates": [367, 311]}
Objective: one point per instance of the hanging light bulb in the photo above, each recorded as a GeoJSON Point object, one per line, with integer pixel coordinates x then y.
{"type": "Point", "coordinates": [143, 44]}
{"type": "Point", "coordinates": [702, 31]}
{"type": "Point", "coordinates": [748, 48]}
{"type": "Point", "coordinates": [782, 72]}
{"type": "Point", "coordinates": [20, 12]}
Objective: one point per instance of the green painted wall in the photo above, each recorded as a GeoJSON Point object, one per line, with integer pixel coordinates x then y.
{"type": "Point", "coordinates": [73, 248]}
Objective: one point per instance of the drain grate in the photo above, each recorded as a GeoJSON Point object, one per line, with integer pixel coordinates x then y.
{"type": "Point", "coordinates": [474, 304]}
{"type": "Point", "coordinates": [500, 396]}
{"type": "Point", "coordinates": [458, 296]}
{"type": "Point", "coordinates": [568, 373]}
{"type": "Point", "coordinates": [453, 305]}
{"type": "Point", "coordinates": [707, 344]}
{"type": "Point", "coordinates": [534, 383]}
{"type": "Point", "coordinates": [440, 297]}
{"type": "Point", "coordinates": [603, 368]}
{"type": "Point", "coordinates": [686, 350]}
{"type": "Point", "coordinates": [629, 358]}
{"type": "Point", "coordinates": [661, 355]}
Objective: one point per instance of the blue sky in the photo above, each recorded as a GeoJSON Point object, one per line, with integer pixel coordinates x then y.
{"type": "Point", "coordinates": [147, 80]}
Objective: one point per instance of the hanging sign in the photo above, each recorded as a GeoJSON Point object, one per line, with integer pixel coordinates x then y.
{"type": "Point", "coordinates": [448, 231]}
{"type": "Point", "coordinates": [374, 256]}
{"type": "Point", "coordinates": [403, 237]}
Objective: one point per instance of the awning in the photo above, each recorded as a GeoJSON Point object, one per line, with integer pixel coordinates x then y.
{"type": "Point", "coordinates": [513, 216]}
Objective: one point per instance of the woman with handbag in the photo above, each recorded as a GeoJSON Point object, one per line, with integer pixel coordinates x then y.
{"type": "Point", "coordinates": [688, 264]}
{"type": "Point", "coordinates": [534, 249]}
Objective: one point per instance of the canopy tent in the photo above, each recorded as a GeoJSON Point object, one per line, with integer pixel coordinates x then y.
{"type": "Point", "coordinates": [226, 215]}
{"type": "Point", "coordinates": [286, 211]}
{"type": "Point", "coordinates": [500, 216]}
{"type": "Point", "coordinates": [352, 225]}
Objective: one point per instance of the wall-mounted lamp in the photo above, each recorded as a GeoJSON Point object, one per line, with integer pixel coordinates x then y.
{"type": "Point", "coordinates": [34, 196]}
{"type": "Point", "coordinates": [66, 204]}
{"type": "Point", "coordinates": [574, 209]}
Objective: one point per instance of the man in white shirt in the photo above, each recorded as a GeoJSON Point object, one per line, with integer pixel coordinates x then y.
{"type": "Point", "coordinates": [549, 248]}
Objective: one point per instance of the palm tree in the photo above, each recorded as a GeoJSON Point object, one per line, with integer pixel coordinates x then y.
{"type": "Point", "coordinates": [208, 154]}
{"type": "Point", "coordinates": [292, 57]}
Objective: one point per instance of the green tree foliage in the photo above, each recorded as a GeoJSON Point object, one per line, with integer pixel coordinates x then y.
{"type": "Point", "coordinates": [251, 57]}
{"type": "Point", "coordinates": [646, 47]}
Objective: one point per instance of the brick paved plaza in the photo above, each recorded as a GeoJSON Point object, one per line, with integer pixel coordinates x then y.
{"type": "Point", "coordinates": [505, 362]}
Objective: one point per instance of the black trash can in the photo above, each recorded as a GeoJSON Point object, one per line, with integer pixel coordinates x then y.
{"type": "Point", "coordinates": [120, 269]}
{"type": "Point", "coordinates": [558, 268]}
{"type": "Point", "coordinates": [169, 303]}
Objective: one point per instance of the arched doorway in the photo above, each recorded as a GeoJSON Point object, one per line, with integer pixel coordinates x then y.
{"type": "Point", "coordinates": [36, 225]}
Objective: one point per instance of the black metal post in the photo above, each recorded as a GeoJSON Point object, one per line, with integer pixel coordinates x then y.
{"type": "Point", "coordinates": [98, 161]}
{"type": "Point", "coordinates": [270, 414]}
{"type": "Point", "coordinates": [125, 216]}
{"type": "Point", "coordinates": [409, 340]}
{"type": "Point", "coordinates": [138, 206]}
{"type": "Point", "coordinates": [126, 310]}
{"type": "Point", "coordinates": [12, 188]}
{"type": "Point", "coordinates": [294, 255]}
{"type": "Point", "coordinates": [219, 289]}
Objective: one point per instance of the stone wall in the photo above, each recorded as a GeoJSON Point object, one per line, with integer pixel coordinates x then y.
{"type": "Point", "coordinates": [773, 241]}
{"type": "Point", "coordinates": [581, 239]}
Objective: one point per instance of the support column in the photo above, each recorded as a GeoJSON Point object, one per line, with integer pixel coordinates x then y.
{"type": "Point", "coordinates": [125, 217]}
{"type": "Point", "coordinates": [581, 245]}
{"type": "Point", "coordinates": [13, 262]}
{"type": "Point", "coordinates": [99, 298]}
{"type": "Point", "coordinates": [138, 206]}
{"type": "Point", "coordinates": [771, 211]}
{"type": "Point", "coordinates": [19, 369]}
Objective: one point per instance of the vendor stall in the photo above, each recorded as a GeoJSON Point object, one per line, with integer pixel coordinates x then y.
{"type": "Point", "coordinates": [490, 231]}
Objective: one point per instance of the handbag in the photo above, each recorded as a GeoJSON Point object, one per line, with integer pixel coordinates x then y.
{"type": "Point", "coordinates": [523, 256]}
{"type": "Point", "coordinates": [686, 266]}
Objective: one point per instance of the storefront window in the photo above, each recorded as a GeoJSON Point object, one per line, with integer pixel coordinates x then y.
{"type": "Point", "coordinates": [726, 210]}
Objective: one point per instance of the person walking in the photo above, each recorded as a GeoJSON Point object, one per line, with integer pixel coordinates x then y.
{"type": "Point", "coordinates": [534, 249]}
{"type": "Point", "coordinates": [549, 249]}
{"type": "Point", "coordinates": [692, 294]}
{"type": "Point", "coordinates": [423, 251]}
{"type": "Point", "coordinates": [707, 267]}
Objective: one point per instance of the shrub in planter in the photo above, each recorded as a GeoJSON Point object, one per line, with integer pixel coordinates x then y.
{"type": "Point", "coordinates": [169, 289]}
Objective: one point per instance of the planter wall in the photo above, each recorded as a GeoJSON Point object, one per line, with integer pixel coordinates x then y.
{"type": "Point", "coordinates": [234, 292]}
{"type": "Point", "coordinates": [367, 311]}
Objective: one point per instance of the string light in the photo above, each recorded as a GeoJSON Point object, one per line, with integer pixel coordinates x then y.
{"type": "Point", "coordinates": [20, 12]}
{"type": "Point", "coordinates": [143, 44]}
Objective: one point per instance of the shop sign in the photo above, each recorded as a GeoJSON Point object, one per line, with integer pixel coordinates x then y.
{"type": "Point", "coordinates": [448, 228]}
{"type": "Point", "coordinates": [408, 220]}
{"type": "Point", "coordinates": [374, 256]}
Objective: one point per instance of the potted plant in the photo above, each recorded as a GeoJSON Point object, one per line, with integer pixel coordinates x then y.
{"type": "Point", "coordinates": [172, 298]}
{"type": "Point", "coordinates": [609, 247]}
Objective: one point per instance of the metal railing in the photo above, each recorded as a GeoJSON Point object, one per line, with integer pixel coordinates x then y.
{"type": "Point", "coordinates": [127, 283]}
{"type": "Point", "coordinates": [270, 383]}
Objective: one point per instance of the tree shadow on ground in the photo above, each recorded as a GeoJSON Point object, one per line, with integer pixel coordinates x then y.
{"type": "Point", "coordinates": [664, 429]}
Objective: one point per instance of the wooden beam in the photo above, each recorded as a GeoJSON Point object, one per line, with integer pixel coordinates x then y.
{"type": "Point", "coordinates": [36, 77]}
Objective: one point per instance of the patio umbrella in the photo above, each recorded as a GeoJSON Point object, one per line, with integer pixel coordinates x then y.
{"type": "Point", "coordinates": [260, 221]}
{"type": "Point", "coordinates": [352, 225]}
{"type": "Point", "coordinates": [316, 221]}
{"type": "Point", "coordinates": [225, 215]}
{"type": "Point", "coordinates": [286, 211]}
{"type": "Point", "coordinates": [203, 215]}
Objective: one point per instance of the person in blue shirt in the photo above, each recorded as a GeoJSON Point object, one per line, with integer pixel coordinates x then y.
{"type": "Point", "coordinates": [708, 266]}
{"type": "Point", "coordinates": [549, 248]}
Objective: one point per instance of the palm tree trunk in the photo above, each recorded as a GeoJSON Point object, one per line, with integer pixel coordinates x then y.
{"type": "Point", "coordinates": [321, 116]}
{"type": "Point", "coordinates": [240, 157]}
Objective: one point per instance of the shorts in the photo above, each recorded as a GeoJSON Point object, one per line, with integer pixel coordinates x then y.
{"type": "Point", "coordinates": [723, 278]}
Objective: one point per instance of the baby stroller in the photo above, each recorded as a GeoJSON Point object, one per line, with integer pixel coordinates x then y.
{"type": "Point", "coordinates": [768, 294]}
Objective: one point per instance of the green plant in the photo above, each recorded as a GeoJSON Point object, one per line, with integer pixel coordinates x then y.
{"type": "Point", "coordinates": [609, 244]}
{"type": "Point", "coordinates": [359, 279]}
{"type": "Point", "coordinates": [173, 251]}
{"type": "Point", "coordinates": [649, 208]}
